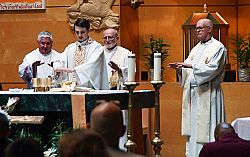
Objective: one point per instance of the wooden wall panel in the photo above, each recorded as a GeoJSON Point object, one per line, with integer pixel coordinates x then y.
{"type": "Point", "coordinates": [237, 101]}
{"type": "Point", "coordinates": [190, 2]}
{"type": "Point", "coordinates": [51, 3]}
{"type": "Point", "coordinates": [243, 2]}
{"type": "Point", "coordinates": [243, 19]}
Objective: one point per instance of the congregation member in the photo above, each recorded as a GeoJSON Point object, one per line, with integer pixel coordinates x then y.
{"type": "Point", "coordinates": [4, 132]}
{"type": "Point", "coordinates": [227, 144]}
{"type": "Point", "coordinates": [201, 75]}
{"type": "Point", "coordinates": [116, 59]}
{"type": "Point", "coordinates": [106, 119]}
{"type": "Point", "coordinates": [84, 60]}
{"type": "Point", "coordinates": [40, 62]}
{"type": "Point", "coordinates": [82, 143]}
{"type": "Point", "coordinates": [24, 147]}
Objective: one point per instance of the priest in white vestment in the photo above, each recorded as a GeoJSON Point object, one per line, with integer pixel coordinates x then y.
{"type": "Point", "coordinates": [84, 60]}
{"type": "Point", "coordinates": [201, 76]}
{"type": "Point", "coordinates": [40, 62]}
{"type": "Point", "coordinates": [117, 66]}
{"type": "Point", "coordinates": [116, 59]}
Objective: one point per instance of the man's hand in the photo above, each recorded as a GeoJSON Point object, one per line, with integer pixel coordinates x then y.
{"type": "Point", "coordinates": [67, 70]}
{"type": "Point", "coordinates": [37, 63]}
{"type": "Point", "coordinates": [114, 66]}
{"type": "Point", "coordinates": [177, 65]}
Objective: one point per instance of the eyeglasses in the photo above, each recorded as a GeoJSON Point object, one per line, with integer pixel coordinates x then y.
{"type": "Point", "coordinates": [108, 38]}
{"type": "Point", "coordinates": [201, 28]}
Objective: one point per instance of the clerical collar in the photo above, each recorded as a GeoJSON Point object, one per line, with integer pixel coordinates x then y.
{"type": "Point", "coordinates": [208, 41]}
{"type": "Point", "coordinates": [112, 49]}
{"type": "Point", "coordinates": [47, 54]}
{"type": "Point", "coordinates": [85, 42]}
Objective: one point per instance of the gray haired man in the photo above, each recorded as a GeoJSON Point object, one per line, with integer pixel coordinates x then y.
{"type": "Point", "coordinates": [41, 61]}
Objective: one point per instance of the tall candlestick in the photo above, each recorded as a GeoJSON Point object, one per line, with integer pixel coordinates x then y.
{"type": "Point", "coordinates": [157, 66]}
{"type": "Point", "coordinates": [131, 67]}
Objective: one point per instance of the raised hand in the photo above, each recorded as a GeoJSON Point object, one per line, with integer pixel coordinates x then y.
{"type": "Point", "coordinates": [114, 66]}
{"type": "Point", "coordinates": [177, 65]}
{"type": "Point", "coordinates": [37, 63]}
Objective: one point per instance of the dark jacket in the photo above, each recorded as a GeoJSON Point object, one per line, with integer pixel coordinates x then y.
{"type": "Point", "coordinates": [230, 145]}
{"type": "Point", "coordinates": [4, 142]}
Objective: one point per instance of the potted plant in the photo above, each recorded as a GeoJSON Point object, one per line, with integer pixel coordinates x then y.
{"type": "Point", "coordinates": [155, 46]}
{"type": "Point", "coordinates": [242, 57]}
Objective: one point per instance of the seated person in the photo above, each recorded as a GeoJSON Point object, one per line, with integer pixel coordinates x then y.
{"type": "Point", "coordinates": [106, 118]}
{"type": "Point", "coordinates": [4, 132]}
{"type": "Point", "coordinates": [40, 62]}
{"type": "Point", "coordinates": [227, 144]}
{"type": "Point", "coordinates": [82, 143]}
{"type": "Point", "coordinates": [24, 147]}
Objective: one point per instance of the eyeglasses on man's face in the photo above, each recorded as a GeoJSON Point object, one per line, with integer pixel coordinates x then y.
{"type": "Point", "coordinates": [108, 37]}
{"type": "Point", "coordinates": [201, 28]}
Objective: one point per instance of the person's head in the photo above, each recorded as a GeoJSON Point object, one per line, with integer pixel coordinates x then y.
{"type": "Point", "coordinates": [82, 143]}
{"type": "Point", "coordinates": [24, 147]}
{"type": "Point", "coordinates": [81, 29]}
{"type": "Point", "coordinates": [204, 29]}
{"type": "Point", "coordinates": [106, 118]}
{"type": "Point", "coordinates": [110, 38]}
{"type": "Point", "coordinates": [4, 125]}
{"type": "Point", "coordinates": [45, 41]}
{"type": "Point", "coordinates": [222, 129]}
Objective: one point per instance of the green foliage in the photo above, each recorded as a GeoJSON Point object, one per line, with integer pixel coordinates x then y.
{"type": "Point", "coordinates": [51, 147]}
{"type": "Point", "coordinates": [26, 133]}
{"type": "Point", "coordinates": [57, 132]}
{"type": "Point", "coordinates": [155, 46]}
{"type": "Point", "coordinates": [242, 50]}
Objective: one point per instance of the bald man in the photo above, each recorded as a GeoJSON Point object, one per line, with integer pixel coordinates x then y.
{"type": "Point", "coordinates": [201, 75]}
{"type": "Point", "coordinates": [116, 58]}
{"type": "Point", "coordinates": [227, 144]}
{"type": "Point", "coordinates": [106, 118]}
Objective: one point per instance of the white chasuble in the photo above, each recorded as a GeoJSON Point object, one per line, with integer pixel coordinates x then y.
{"type": "Point", "coordinates": [92, 73]}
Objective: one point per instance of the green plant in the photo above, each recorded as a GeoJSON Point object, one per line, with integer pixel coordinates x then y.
{"type": "Point", "coordinates": [155, 46]}
{"type": "Point", "coordinates": [242, 50]}
{"type": "Point", "coordinates": [57, 132]}
{"type": "Point", "coordinates": [25, 132]}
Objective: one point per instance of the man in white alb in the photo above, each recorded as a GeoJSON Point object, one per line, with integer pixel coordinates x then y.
{"type": "Point", "coordinates": [40, 62]}
{"type": "Point", "coordinates": [116, 59]}
{"type": "Point", "coordinates": [201, 76]}
{"type": "Point", "coordinates": [84, 60]}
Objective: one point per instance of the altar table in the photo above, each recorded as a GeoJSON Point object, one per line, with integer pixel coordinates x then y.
{"type": "Point", "coordinates": [75, 104]}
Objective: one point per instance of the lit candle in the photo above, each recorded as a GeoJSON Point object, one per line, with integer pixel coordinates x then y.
{"type": "Point", "coordinates": [131, 67]}
{"type": "Point", "coordinates": [157, 66]}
